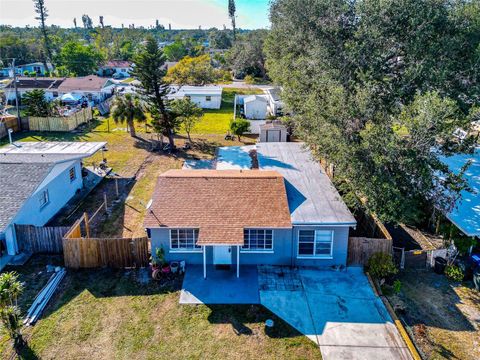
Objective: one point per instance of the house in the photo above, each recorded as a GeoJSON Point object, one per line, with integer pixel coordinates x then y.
{"type": "Point", "coordinates": [37, 67]}
{"type": "Point", "coordinates": [206, 97]}
{"type": "Point", "coordinates": [94, 88]}
{"type": "Point", "coordinates": [255, 107]}
{"type": "Point", "coordinates": [26, 84]}
{"type": "Point", "coordinates": [36, 180]}
{"type": "Point", "coordinates": [275, 104]}
{"type": "Point", "coordinates": [120, 67]}
{"type": "Point", "coordinates": [286, 212]}
{"type": "Point", "coordinates": [466, 213]}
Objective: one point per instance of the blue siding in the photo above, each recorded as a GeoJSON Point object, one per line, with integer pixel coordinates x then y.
{"type": "Point", "coordinates": [284, 244]}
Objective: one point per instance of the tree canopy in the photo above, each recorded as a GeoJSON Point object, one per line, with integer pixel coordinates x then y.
{"type": "Point", "coordinates": [193, 71]}
{"type": "Point", "coordinates": [247, 57]}
{"type": "Point", "coordinates": [374, 87]}
{"type": "Point", "coordinates": [79, 59]}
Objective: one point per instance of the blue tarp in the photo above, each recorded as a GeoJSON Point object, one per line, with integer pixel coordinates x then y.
{"type": "Point", "coordinates": [466, 214]}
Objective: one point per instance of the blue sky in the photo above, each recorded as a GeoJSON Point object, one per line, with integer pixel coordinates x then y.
{"type": "Point", "coordinates": [251, 14]}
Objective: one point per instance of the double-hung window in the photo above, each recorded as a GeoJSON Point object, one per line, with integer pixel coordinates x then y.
{"type": "Point", "coordinates": [184, 240]}
{"type": "Point", "coordinates": [208, 98]}
{"type": "Point", "coordinates": [257, 240]}
{"type": "Point", "coordinates": [315, 243]}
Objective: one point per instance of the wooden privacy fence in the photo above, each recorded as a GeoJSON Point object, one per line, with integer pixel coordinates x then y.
{"type": "Point", "coordinates": [40, 239]}
{"type": "Point", "coordinates": [8, 122]}
{"type": "Point", "coordinates": [66, 123]}
{"type": "Point", "coordinates": [86, 252]}
{"type": "Point", "coordinates": [361, 248]}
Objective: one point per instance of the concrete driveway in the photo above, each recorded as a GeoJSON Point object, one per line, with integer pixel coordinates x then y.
{"type": "Point", "coordinates": [336, 309]}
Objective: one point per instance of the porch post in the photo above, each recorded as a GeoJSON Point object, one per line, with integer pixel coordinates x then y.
{"type": "Point", "coordinates": [204, 262]}
{"type": "Point", "coordinates": [238, 261]}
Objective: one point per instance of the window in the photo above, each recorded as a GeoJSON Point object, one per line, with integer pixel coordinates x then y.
{"type": "Point", "coordinates": [208, 98]}
{"type": "Point", "coordinates": [72, 173]}
{"type": "Point", "coordinates": [55, 94]}
{"type": "Point", "coordinates": [44, 198]}
{"type": "Point", "coordinates": [123, 70]}
{"type": "Point", "coordinates": [257, 240]}
{"type": "Point", "coordinates": [184, 240]}
{"type": "Point", "coordinates": [315, 243]}
{"type": "Point", "coordinates": [37, 69]}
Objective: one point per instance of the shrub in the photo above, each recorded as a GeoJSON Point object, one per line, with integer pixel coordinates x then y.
{"type": "Point", "coordinates": [454, 273]}
{"type": "Point", "coordinates": [239, 127]}
{"type": "Point", "coordinates": [381, 265]}
{"type": "Point", "coordinates": [25, 73]}
{"type": "Point", "coordinates": [32, 73]}
{"type": "Point", "coordinates": [249, 79]}
{"type": "Point", "coordinates": [397, 286]}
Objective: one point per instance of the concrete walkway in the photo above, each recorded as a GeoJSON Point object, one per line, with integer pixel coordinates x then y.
{"type": "Point", "coordinates": [339, 311]}
{"type": "Point", "coordinates": [220, 286]}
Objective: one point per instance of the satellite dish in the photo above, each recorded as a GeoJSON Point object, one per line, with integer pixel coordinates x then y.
{"type": "Point", "coordinates": [149, 204]}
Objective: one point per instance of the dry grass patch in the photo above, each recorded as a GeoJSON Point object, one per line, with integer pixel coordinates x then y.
{"type": "Point", "coordinates": [442, 315]}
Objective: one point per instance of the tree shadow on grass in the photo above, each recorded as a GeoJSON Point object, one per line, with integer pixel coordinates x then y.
{"type": "Point", "coordinates": [238, 316]}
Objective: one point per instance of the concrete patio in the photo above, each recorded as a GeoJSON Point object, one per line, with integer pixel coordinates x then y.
{"type": "Point", "coordinates": [220, 286]}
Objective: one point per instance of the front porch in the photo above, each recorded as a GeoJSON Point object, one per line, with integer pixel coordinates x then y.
{"type": "Point", "coordinates": [220, 286]}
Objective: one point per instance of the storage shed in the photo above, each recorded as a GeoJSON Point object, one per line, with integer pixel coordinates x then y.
{"type": "Point", "coordinates": [273, 131]}
{"type": "Point", "coordinates": [255, 107]}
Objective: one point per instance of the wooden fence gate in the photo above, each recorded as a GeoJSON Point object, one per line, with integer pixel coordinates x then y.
{"type": "Point", "coordinates": [361, 248]}
{"type": "Point", "coordinates": [40, 239]}
{"type": "Point", "coordinates": [82, 251]}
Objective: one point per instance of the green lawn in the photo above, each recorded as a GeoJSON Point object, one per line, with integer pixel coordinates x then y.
{"type": "Point", "coordinates": [218, 121]}
{"type": "Point", "coordinates": [109, 314]}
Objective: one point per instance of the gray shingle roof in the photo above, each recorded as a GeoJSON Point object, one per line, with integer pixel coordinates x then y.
{"type": "Point", "coordinates": [17, 183]}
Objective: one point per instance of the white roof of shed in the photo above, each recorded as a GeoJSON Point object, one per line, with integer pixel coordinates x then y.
{"type": "Point", "coordinates": [209, 90]}
{"type": "Point", "coordinates": [466, 214]}
{"type": "Point", "coordinates": [45, 151]}
{"type": "Point", "coordinates": [312, 198]}
{"type": "Point", "coordinates": [251, 98]}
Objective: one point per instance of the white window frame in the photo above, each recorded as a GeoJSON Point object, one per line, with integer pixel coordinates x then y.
{"type": "Point", "coordinates": [74, 171]}
{"type": "Point", "coordinates": [185, 250]}
{"type": "Point", "coordinates": [314, 256]}
{"type": "Point", "coordinates": [44, 198]}
{"type": "Point", "coordinates": [259, 251]}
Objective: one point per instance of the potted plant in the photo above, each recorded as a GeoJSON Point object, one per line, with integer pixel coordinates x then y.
{"type": "Point", "coordinates": [160, 254]}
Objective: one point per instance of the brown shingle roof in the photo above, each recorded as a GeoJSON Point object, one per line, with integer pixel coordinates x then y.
{"type": "Point", "coordinates": [220, 203]}
{"type": "Point", "coordinates": [84, 83]}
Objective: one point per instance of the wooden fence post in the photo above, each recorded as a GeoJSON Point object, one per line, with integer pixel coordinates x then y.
{"type": "Point", "coordinates": [87, 226]}
{"type": "Point", "coordinates": [105, 201]}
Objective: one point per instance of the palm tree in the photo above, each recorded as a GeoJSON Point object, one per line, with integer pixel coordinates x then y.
{"type": "Point", "coordinates": [128, 108]}
{"type": "Point", "coordinates": [10, 290]}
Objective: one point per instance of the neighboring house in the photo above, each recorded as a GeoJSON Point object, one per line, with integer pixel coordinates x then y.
{"type": "Point", "coordinates": [255, 107]}
{"type": "Point", "coordinates": [286, 212]}
{"type": "Point", "coordinates": [36, 180]}
{"type": "Point", "coordinates": [466, 213]}
{"type": "Point", "coordinates": [112, 67]}
{"type": "Point", "coordinates": [25, 84]}
{"type": "Point", "coordinates": [206, 97]}
{"type": "Point", "coordinates": [275, 103]}
{"type": "Point", "coordinates": [94, 88]}
{"type": "Point", "coordinates": [36, 67]}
